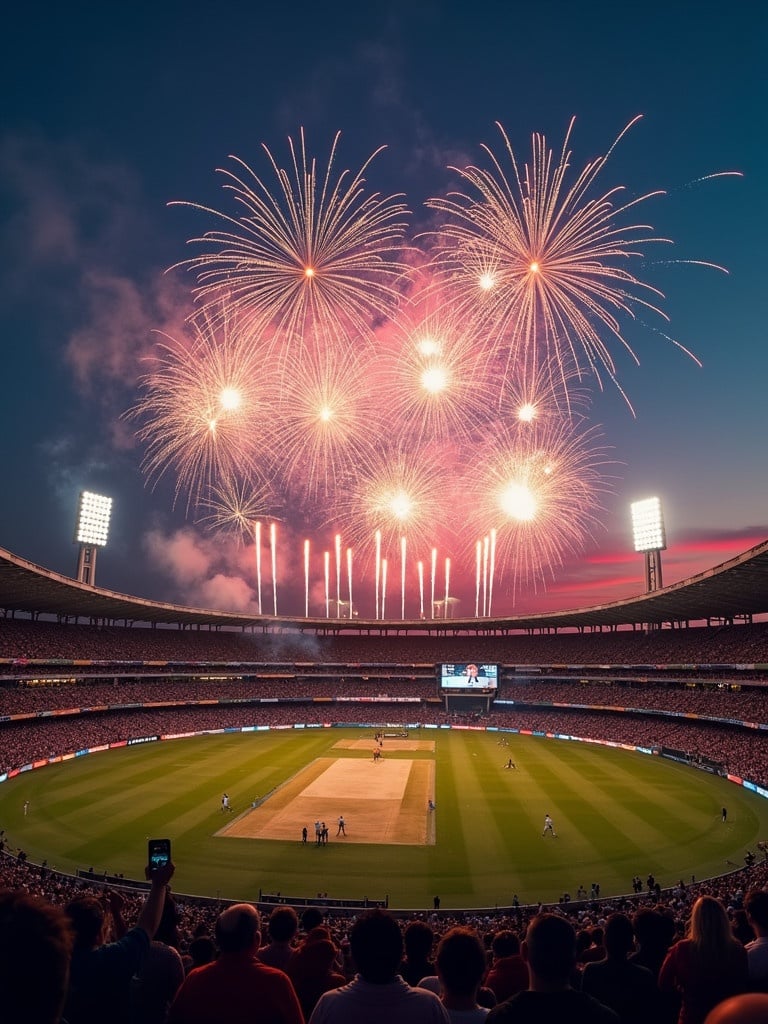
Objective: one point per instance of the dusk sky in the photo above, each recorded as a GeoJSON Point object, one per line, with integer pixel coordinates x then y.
{"type": "Point", "coordinates": [110, 112]}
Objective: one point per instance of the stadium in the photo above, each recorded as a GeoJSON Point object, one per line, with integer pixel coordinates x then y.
{"type": "Point", "coordinates": [664, 694]}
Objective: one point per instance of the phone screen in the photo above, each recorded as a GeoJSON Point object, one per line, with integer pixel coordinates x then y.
{"type": "Point", "coordinates": [159, 853]}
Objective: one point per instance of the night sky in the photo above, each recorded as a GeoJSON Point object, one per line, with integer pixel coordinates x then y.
{"type": "Point", "coordinates": [109, 112]}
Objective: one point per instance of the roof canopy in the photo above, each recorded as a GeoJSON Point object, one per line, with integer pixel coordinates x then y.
{"type": "Point", "coordinates": [738, 587]}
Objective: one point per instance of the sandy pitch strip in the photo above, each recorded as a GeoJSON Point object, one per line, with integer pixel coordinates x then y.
{"type": "Point", "coordinates": [382, 802]}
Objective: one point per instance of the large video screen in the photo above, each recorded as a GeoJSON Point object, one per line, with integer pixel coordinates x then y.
{"type": "Point", "coordinates": [469, 675]}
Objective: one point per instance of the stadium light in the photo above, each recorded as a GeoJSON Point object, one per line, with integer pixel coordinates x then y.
{"type": "Point", "coordinates": [93, 513]}
{"type": "Point", "coordinates": [650, 538]}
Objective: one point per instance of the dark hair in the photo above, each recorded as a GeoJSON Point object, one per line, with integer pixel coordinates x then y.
{"type": "Point", "coordinates": [550, 944]}
{"type": "Point", "coordinates": [653, 928]}
{"type": "Point", "coordinates": [461, 961]}
{"type": "Point", "coordinates": [377, 946]}
{"type": "Point", "coordinates": [202, 950]}
{"type": "Point", "coordinates": [35, 948]}
{"type": "Point", "coordinates": [283, 924]}
{"type": "Point", "coordinates": [86, 915]}
{"type": "Point", "coordinates": [418, 938]}
{"type": "Point", "coordinates": [756, 906]}
{"type": "Point", "coordinates": [505, 943]}
{"type": "Point", "coordinates": [311, 918]}
{"type": "Point", "coordinates": [619, 937]}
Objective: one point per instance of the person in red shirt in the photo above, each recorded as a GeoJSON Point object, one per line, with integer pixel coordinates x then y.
{"type": "Point", "coordinates": [509, 972]}
{"type": "Point", "coordinates": [236, 987]}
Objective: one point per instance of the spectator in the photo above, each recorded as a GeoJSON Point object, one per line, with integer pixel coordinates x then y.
{"type": "Point", "coordinates": [626, 987]}
{"type": "Point", "coordinates": [596, 949]}
{"type": "Point", "coordinates": [707, 966]}
{"type": "Point", "coordinates": [654, 931]}
{"type": "Point", "coordinates": [35, 949]}
{"type": "Point", "coordinates": [756, 906]}
{"type": "Point", "coordinates": [549, 950]}
{"type": "Point", "coordinates": [460, 967]}
{"type": "Point", "coordinates": [378, 994]}
{"type": "Point", "coordinates": [236, 986]}
{"type": "Point", "coordinates": [509, 972]}
{"type": "Point", "coordinates": [418, 939]}
{"type": "Point", "coordinates": [282, 926]}
{"type": "Point", "coordinates": [155, 984]}
{"type": "Point", "coordinates": [311, 968]}
{"type": "Point", "coordinates": [101, 971]}
{"type": "Point", "coordinates": [202, 950]}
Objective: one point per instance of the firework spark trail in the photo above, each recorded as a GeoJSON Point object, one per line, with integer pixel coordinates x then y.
{"type": "Point", "coordinates": [555, 258]}
{"type": "Point", "coordinates": [316, 256]}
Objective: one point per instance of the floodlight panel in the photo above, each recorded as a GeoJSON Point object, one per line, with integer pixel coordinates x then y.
{"type": "Point", "coordinates": [93, 519]}
{"type": "Point", "coordinates": [648, 525]}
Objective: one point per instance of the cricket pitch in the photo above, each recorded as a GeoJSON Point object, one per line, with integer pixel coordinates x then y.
{"type": "Point", "coordinates": [383, 801]}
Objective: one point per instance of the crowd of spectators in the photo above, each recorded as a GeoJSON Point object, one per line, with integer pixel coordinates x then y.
{"type": "Point", "coordinates": [741, 752]}
{"type": "Point", "coordinates": [96, 953]}
{"type": "Point", "coordinates": [737, 644]}
{"type": "Point", "coordinates": [744, 703]}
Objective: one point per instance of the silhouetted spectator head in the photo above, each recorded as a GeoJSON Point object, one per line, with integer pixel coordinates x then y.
{"type": "Point", "coordinates": [505, 943]}
{"type": "Point", "coordinates": [741, 927]}
{"type": "Point", "coordinates": [550, 949]}
{"type": "Point", "coordinates": [377, 946]}
{"type": "Point", "coordinates": [418, 938]}
{"type": "Point", "coordinates": [156, 982]}
{"type": "Point", "coordinates": [35, 949]}
{"type": "Point", "coordinates": [238, 928]}
{"type": "Point", "coordinates": [202, 950]}
{"type": "Point", "coordinates": [756, 906]}
{"type": "Point", "coordinates": [460, 961]}
{"type": "Point", "coordinates": [653, 929]}
{"type": "Point", "coordinates": [87, 917]}
{"type": "Point", "coordinates": [283, 924]}
{"type": "Point", "coordinates": [311, 918]}
{"type": "Point", "coordinates": [619, 936]}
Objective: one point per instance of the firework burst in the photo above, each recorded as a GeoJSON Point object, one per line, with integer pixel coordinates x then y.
{"type": "Point", "coordinates": [315, 258]}
{"type": "Point", "coordinates": [402, 496]}
{"type": "Point", "coordinates": [327, 422]}
{"type": "Point", "coordinates": [202, 412]}
{"type": "Point", "coordinates": [543, 264]}
{"type": "Point", "coordinates": [235, 506]}
{"type": "Point", "coordinates": [539, 485]}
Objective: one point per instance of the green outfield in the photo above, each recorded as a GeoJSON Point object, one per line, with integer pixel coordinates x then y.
{"type": "Point", "coordinates": [616, 813]}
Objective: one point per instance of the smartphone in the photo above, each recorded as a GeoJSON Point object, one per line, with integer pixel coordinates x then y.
{"type": "Point", "coordinates": [158, 853]}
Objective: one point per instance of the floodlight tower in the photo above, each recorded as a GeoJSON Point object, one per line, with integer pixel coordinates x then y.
{"type": "Point", "coordinates": [650, 538]}
{"type": "Point", "coordinates": [93, 512]}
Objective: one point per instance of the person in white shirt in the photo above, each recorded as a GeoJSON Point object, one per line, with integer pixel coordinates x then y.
{"type": "Point", "coordinates": [378, 994]}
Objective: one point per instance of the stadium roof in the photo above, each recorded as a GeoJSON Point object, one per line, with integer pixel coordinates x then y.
{"type": "Point", "coordinates": [736, 588]}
